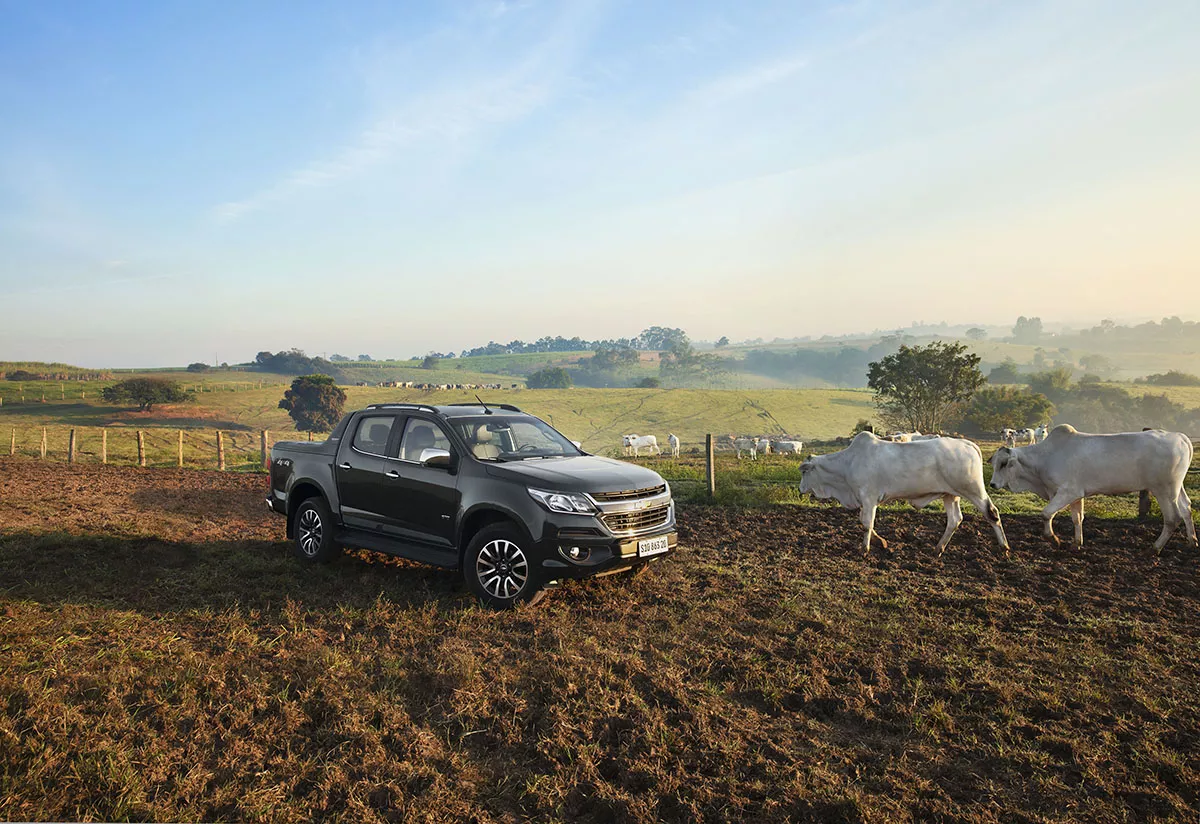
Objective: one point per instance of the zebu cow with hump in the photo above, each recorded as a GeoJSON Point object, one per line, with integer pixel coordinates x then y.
{"type": "Point", "coordinates": [1070, 465]}
{"type": "Point", "coordinates": [872, 471]}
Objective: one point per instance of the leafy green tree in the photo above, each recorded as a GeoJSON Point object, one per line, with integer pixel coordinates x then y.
{"type": "Point", "coordinates": [198, 367]}
{"type": "Point", "coordinates": [552, 377]}
{"type": "Point", "coordinates": [430, 362]}
{"type": "Point", "coordinates": [998, 407]}
{"type": "Point", "coordinates": [1097, 365]}
{"type": "Point", "coordinates": [649, 383]}
{"type": "Point", "coordinates": [314, 402]}
{"type": "Point", "coordinates": [364, 358]}
{"type": "Point", "coordinates": [723, 342]}
{"type": "Point", "coordinates": [145, 392]}
{"type": "Point", "coordinates": [1007, 372]}
{"type": "Point", "coordinates": [660, 338]}
{"type": "Point", "coordinates": [921, 387]}
{"type": "Point", "coordinates": [976, 333]}
{"type": "Point", "coordinates": [1027, 330]}
{"type": "Point", "coordinates": [1055, 384]}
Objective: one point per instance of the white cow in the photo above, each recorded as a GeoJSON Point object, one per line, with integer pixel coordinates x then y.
{"type": "Point", "coordinates": [1009, 436]}
{"type": "Point", "coordinates": [748, 445]}
{"type": "Point", "coordinates": [673, 442]}
{"type": "Point", "coordinates": [789, 447]}
{"type": "Point", "coordinates": [903, 437]}
{"type": "Point", "coordinates": [1025, 436]}
{"type": "Point", "coordinates": [763, 446]}
{"type": "Point", "coordinates": [872, 471]}
{"type": "Point", "coordinates": [924, 437]}
{"type": "Point", "coordinates": [1070, 465]}
{"type": "Point", "coordinates": [639, 442]}
{"type": "Point", "coordinates": [1040, 433]}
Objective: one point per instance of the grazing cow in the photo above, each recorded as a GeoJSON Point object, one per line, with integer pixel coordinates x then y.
{"type": "Point", "coordinates": [763, 446]}
{"type": "Point", "coordinates": [1070, 465]}
{"type": "Point", "coordinates": [748, 445]}
{"type": "Point", "coordinates": [1040, 433]}
{"type": "Point", "coordinates": [673, 442]}
{"type": "Point", "coordinates": [639, 442]}
{"type": "Point", "coordinates": [1026, 436]}
{"type": "Point", "coordinates": [872, 471]}
{"type": "Point", "coordinates": [1009, 436]}
{"type": "Point", "coordinates": [789, 447]}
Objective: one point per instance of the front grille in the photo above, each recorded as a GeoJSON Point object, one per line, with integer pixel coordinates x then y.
{"type": "Point", "coordinates": [630, 494]}
{"type": "Point", "coordinates": [624, 522]}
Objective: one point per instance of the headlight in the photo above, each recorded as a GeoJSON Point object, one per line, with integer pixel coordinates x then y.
{"type": "Point", "coordinates": [567, 502]}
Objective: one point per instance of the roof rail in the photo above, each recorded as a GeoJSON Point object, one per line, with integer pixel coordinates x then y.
{"type": "Point", "coordinates": [506, 406]}
{"type": "Point", "coordinates": [403, 405]}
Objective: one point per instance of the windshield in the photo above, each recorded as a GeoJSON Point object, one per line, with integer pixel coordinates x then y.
{"type": "Point", "coordinates": [497, 438]}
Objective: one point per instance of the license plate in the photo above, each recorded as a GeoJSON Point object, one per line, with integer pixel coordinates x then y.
{"type": "Point", "coordinates": [653, 546]}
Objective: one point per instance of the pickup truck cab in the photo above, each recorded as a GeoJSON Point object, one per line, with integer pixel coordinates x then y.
{"type": "Point", "coordinates": [486, 489]}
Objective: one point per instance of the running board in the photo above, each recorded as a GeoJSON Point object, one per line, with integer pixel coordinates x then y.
{"type": "Point", "coordinates": [359, 539]}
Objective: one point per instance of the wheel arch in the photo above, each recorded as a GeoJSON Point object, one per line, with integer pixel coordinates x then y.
{"type": "Point", "coordinates": [298, 494]}
{"type": "Point", "coordinates": [480, 519]}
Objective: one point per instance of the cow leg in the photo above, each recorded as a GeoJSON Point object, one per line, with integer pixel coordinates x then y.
{"type": "Point", "coordinates": [984, 504]}
{"type": "Point", "coordinates": [1185, 510]}
{"type": "Point", "coordinates": [1172, 517]}
{"type": "Point", "coordinates": [1057, 504]}
{"type": "Point", "coordinates": [953, 519]}
{"type": "Point", "coordinates": [868, 521]}
{"type": "Point", "coordinates": [1077, 519]}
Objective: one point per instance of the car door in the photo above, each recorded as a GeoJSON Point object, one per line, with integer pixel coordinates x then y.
{"type": "Point", "coordinates": [421, 501]}
{"type": "Point", "coordinates": [362, 485]}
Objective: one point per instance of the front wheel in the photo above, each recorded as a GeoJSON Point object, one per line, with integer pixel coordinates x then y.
{"type": "Point", "coordinates": [498, 569]}
{"type": "Point", "coordinates": [314, 532]}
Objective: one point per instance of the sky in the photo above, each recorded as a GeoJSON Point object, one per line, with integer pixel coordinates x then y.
{"type": "Point", "coordinates": [205, 180]}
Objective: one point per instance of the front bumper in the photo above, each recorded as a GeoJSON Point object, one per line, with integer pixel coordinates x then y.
{"type": "Point", "coordinates": [599, 553]}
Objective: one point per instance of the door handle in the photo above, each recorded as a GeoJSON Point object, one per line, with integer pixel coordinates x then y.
{"type": "Point", "coordinates": [345, 465]}
{"type": "Point", "coordinates": [391, 473]}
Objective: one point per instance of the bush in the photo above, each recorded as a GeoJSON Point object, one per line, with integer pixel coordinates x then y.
{"type": "Point", "coordinates": [1172, 378]}
{"type": "Point", "coordinates": [648, 383]}
{"type": "Point", "coordinates": [1006, 372]}
{"type": "Point", "coordinates": [553, 377]}
{"type": "Point", "coordinates": [314, 402]}
{"type": "Point", "coordinates": [998, 407]}
{"type": "Point", "coordinates": [23, 375]}
{"type": "Point", "coordinates": [198, 367]}
{"type": "Point", "coordinates": [145, 392]}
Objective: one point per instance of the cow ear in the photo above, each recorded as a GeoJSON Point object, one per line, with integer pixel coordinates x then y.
{"type": "Point", "coordinates": [806, 466]}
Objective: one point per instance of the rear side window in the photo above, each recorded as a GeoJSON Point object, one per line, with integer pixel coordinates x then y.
{"type": "Point", "coordinates": [373, 433]}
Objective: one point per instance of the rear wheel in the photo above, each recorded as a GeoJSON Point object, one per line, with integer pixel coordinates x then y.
{"type": "Point", "coordinates": [498, 569]}
{"type": "Point", "coordinates": [313, 530]}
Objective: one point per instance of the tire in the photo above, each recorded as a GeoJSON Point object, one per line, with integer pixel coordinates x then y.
{"type": "Point", "coordinates": [497, 568]}
{"type": "Point", "coordinates": [313, 529]}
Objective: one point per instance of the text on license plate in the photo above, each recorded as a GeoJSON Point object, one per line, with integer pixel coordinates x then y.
{"type": "Point", "coordinates": [653, 546]}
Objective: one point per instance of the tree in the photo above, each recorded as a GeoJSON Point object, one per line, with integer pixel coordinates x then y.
{"type": "Point", "coordinates": [145, 392]}
{"type": "Point", "coordinates": [998, 407]}
{"type": "Point", "coordinates": [336, 358]}
{"type": "Point", "coordinates": [660, 338]}
{"type": "Point", "coordinates": [364, 358]}
{"type": "Point", "coordinates": [1027, 330]}
{"type": "Point", "coordinates": [1055, 384]}
{"type": "Point", "coordinates": [1005, 373]}
{"type": "Point", "coordinates": [198, 367]}
{"type": "Point", "coordinates": [919, 387]}
{"type": "Point", "coordinates": [314, 402]}
{"type": "Point", "coordinates": [552, 377]}
{"type": "Point", "coordinates": [430, 362]}
{"type": "Point", "coordinates": [1097, 365]}
{"type": "Point", "coordinates": [649, 383]}
{"type": "Point", "coordinates": [976, 333]}
{"type": "Point", "coordinates": [723, 342]}
{"type": "Point", "coordinates": [23, 375]}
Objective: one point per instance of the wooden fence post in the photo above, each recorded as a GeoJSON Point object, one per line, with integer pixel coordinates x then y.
{"type": "Point", "coordinates": [43, 443]}
{"type": "Point", "coordinates": [12, 444]}
{"type": "Point", "coordinates": [710, 469]}
{"type": "Point", "coordinates": [104, 444]}
{"type": "Point", "coordinates": [181, 447]}
{"type": "Point", "coordinates": [220, 451]}
{"type": "Point", "coordinates": [71, 448]}
{"type": "Point", "coordinates": [141, 448]}
{"type": "Point", "coordinates": [266, 451]}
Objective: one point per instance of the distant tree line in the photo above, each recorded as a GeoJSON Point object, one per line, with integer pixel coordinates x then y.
{"type": "Point", "coordinates": [845, 366]}
{"type": "Point", "coordinates": [294, 362]}
{"type": "Point", "coordinates": [655, 338]}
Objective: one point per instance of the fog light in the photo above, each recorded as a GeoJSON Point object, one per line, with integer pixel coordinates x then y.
{"type": "Point", "coordinates": [575, 553]}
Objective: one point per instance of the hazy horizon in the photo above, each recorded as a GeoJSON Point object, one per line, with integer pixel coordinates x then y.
{"type": "Point", "coordinates": [179, 182]}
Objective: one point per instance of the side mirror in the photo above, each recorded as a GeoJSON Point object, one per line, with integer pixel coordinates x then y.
{"type": "Point", "coordinates": [436, 458]}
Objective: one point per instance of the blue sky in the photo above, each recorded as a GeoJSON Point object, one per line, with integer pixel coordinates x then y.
{"type": "Point", "coordinates": [184, 180]}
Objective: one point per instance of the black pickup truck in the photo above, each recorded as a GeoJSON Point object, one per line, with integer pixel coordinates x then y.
{"type": "Point", "coordinates": [487, 489]}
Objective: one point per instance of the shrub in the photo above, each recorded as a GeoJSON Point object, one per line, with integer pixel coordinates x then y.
{"type": "Point", "coordinates": [314, 402]}
{"type": "Point", "coordinates": [648, 383]}
{"type": "Point", "coordinates": [553, 377]}
{"type": "Point", "coordinates": [198, 367]}
{"type": "Point", "coordinates": [145, 392]}
{"type": "Point", "coordinates": [996, 407]}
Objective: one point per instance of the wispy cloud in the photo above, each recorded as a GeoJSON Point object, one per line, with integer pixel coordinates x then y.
{"type": "Point", "coordinates": [739, 84]}
{"type": "Point", "coordinates": [454, 112]}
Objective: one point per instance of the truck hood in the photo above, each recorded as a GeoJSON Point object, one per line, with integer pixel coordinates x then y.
{"type": "Point", "coordinates": [585, 473]}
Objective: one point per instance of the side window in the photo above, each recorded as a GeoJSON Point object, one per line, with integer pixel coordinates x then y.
{"type": "Point", "coordinates": [419, 435]}
{"type": "Point", "coordinates": [372, 434]}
